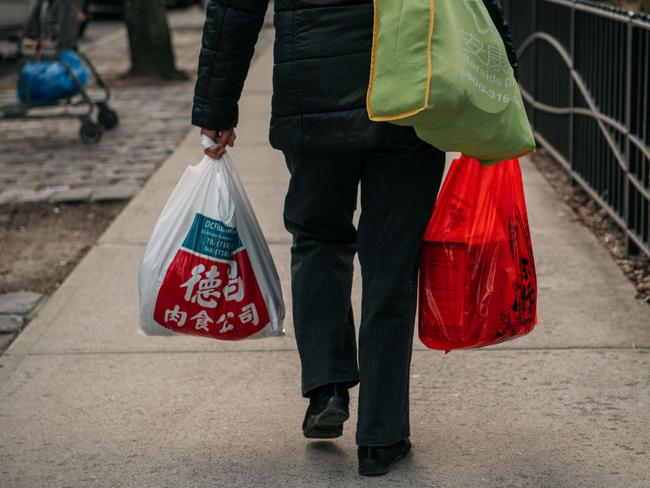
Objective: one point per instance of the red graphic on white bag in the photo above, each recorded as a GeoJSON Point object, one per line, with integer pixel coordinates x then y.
{"type": "Point", "coordinates": [210, 288]}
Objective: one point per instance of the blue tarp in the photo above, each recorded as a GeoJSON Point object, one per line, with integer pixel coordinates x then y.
{"type": "Point", "coordinates": [48, 81]}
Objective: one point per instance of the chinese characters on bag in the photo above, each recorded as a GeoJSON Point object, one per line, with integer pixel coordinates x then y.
{"type": "Point", "coordinates": [206, 288]}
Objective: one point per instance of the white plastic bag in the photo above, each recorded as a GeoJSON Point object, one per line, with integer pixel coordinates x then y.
{"type": "Point", "coordinates": [207, 269]}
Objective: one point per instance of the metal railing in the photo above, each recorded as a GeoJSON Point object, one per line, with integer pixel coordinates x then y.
{"type": "Point", "coordinates": [585, 78]}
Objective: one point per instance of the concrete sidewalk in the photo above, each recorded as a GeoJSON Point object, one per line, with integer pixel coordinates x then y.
{"type": "Point", "coordinates": [85, 400]}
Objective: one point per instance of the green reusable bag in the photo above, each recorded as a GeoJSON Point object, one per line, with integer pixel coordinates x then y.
{"type": "Point", "coordinates": [441, 67]}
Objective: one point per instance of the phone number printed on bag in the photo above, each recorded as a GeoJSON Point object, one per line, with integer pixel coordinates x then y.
{"type": "Point", "coordinates": [210, 287]}
{"type": "Point", "coordinates": [487, 67]}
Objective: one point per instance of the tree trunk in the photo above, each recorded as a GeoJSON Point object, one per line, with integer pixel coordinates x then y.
{"type": "Point", "coordinates": [150, 40]}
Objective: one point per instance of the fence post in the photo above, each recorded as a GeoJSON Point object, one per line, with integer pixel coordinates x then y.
{"type": "Point", "coordinates": [572, 52]}
{"type": "Point", "coordinates": [628, 208]}
{"type": "Point", "coordinates": [533, 89]}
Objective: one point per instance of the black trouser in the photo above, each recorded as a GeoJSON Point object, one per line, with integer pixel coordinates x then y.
{"type": "Point", "coordinates": [398, 191]}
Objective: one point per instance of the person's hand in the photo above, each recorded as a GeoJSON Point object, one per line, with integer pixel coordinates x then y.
{"type": "Point", "coordinates": [222, 139]}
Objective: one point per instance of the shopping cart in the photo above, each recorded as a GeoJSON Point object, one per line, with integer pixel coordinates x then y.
{"type": "Point", "coordinates": [49, 40]}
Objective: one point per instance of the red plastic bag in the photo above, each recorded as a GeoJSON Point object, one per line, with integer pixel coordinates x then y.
{"type": "Point", "coordinates": [477, 274]}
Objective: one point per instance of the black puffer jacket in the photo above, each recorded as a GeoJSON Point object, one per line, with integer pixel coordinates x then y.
{"type": "Point", "coordinates": [320, 76]}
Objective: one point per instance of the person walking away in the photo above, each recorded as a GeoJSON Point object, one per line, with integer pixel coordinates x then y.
{"type": "Point", "coordinates": [319, 121]}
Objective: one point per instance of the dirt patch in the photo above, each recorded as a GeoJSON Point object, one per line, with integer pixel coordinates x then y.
{"type": "Point", "coordinates": [636, 268]}
{"type": "Point", "coordinates": [42, 243]}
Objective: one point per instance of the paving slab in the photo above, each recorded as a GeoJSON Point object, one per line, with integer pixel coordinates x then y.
{"type": "Point", "coordinates": [19, 302]}
{"type": "Point", "coordinates": [10, 323]}
{"type": "Point", "coordinates": [479, 419]}
{"type": "Point", "coordinates": [67, 196]}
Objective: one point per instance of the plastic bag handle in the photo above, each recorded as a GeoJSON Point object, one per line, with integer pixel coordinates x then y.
{"type": "Point", "coordinates": [206, 142]}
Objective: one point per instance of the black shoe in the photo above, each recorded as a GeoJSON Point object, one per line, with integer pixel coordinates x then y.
{"type": "Point", "coordinates": [328, 409]}
{"type": "Point", "coordinates": [379, 460]}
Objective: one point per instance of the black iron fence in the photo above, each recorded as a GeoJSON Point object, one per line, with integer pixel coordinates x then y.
{"type": "Point", "coordinates": [585, 77]}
